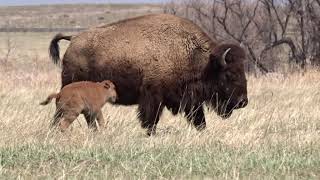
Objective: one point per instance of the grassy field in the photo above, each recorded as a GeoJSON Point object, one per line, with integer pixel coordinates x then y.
{"type": "Point", "coordinates": [277, 136]}
{"type": "Point", "coordinates": [70, 16]}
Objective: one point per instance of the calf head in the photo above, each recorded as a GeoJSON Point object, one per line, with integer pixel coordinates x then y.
{"type": "Point", "coordinates": [110, 91]}
{"type": "Point", "coordinates": [225, 72]}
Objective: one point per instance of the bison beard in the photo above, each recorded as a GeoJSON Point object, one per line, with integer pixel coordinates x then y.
{"type": "Point", "coordinates": [158, 61]}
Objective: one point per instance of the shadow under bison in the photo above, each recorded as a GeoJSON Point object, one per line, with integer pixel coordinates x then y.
{"type": "Point", "coordinates": [158, 61]}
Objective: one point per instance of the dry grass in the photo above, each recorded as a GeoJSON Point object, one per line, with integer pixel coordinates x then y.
{"type": "Point", "coordinates": [276, 136]}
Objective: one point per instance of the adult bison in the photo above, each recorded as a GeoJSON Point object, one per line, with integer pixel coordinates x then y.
{"type": "Point", "coordinates": [158, 61]}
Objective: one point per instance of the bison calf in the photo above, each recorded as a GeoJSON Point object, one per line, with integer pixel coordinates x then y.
{"type": "Point", "coordinates": [82, 98]}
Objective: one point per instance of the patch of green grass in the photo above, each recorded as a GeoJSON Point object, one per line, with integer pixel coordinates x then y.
{"type": "Point", "coordinates": [216, 160]}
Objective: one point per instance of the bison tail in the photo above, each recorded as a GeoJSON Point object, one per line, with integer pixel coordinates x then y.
{"type": "Point", "coordinates": [54, 50]}
{"type": "Point", "coordinates": [49, 99]}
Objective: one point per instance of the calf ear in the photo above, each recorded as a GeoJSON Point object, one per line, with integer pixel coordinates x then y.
{"type": "Point", "coordinates": [106, 85]}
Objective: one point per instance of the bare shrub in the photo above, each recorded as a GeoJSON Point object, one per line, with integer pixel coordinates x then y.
{"type": "Point", "coordinates": [4, 61]}
{"type": "Point", "coordinates": [274, 33]}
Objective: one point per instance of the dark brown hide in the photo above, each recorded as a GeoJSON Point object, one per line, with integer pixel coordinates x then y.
{"type": "Point", "coordinates": [159, 61]}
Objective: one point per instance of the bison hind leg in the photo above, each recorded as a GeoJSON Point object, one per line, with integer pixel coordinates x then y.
{"type": "Point", "coordinates": [150, 109]}
{"type": "Point", "coordinates": [174, 109]}
{"type": "Point", "coordinates": [70, 75]}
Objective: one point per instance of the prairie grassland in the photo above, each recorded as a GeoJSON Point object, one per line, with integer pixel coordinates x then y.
{"type": "Point", "coordinates": [71, 15]}
{"type": "Point", "coordinates": [277, 136]}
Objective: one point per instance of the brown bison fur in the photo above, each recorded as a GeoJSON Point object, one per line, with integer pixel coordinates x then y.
{"type": "Point", "coordinates": [159, 61]}
{"type": "Point", "coordinates": [82, 98]}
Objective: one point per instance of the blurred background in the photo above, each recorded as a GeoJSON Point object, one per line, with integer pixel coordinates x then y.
{"type": "Point", "coordinates": [27, 27]}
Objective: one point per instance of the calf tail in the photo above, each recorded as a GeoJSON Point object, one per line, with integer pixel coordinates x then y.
{"type": "Point", "coordinates": [49, 98]}
{"type": "Point", "coordinates": [54, 50]}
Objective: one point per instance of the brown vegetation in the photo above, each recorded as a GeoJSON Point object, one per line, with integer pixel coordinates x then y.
{"type": "Point", "coordinates": [50, 18]}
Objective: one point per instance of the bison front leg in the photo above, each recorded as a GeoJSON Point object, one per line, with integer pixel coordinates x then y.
{"type": "Point", "coordinates": [195, 116]}
{"type": "Point", "coordinates": [150, 109]}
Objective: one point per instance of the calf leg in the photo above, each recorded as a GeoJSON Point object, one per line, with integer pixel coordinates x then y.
{"type": "Point", "coordinates": [67, 120]}
{"type": "Point", "coordinates": [196, 117]}
{"type": "Point", "coordinates": [90, 118]}
{"type": "Point", "coordinates": [150, 109]}
{"type": "Point", "coordinates": [100, 119]}
{"type": "Point", "coordinates": [57, 117]}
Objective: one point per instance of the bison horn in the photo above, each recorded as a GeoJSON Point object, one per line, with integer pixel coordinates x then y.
{"type": "Point", "coordinates": [223, 59]}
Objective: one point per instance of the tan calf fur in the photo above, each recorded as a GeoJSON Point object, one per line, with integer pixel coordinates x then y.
{"type": "Point", "coordinates": [82, 97]}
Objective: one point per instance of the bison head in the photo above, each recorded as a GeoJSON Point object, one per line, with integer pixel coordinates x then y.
{"type": "Point", "coordinates": [225, 72]}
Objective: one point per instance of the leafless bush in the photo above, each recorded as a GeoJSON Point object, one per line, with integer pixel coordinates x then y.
{"type": "Point", "coordinates": [274, 33]}
{"type": "Point", "coordinates": [4, 61]}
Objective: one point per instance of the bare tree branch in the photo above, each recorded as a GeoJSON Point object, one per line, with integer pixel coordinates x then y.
{"type": "Point", "coordinates": [263, 26]}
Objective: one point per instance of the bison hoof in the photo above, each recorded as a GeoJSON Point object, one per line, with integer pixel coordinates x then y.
{"type": "Point", "coordinates": [201, 127]}
{"type": "Point", "coordinates": [151, 132]}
